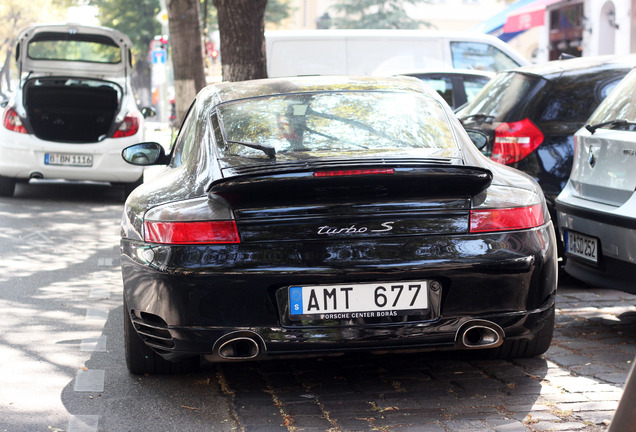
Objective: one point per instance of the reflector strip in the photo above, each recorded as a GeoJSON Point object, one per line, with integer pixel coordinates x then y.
{"type": "Point", "coordinates": [354, 172]}
{"type": "Point", "coordinates": [191, 232]}
{"type": "Point", "coordinates": [506, 219]}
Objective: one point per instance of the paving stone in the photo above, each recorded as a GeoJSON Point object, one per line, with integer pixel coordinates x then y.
{"type": "Point", "coordinates": [588, 406]}
{"type": "Point", "coordinates": [428, 427]}
{"type": "Point", "coordinates": [353, 424]}
{"type": "Point", "coordinates": [506, 425]}
{"type": "Point", "coordinates": [604, 396]}
{"type": "Point", "coordinates": [540, 416]}
{"type": "Point", "coordinates": [598, 417]}
{"type": "Point", "coordinates": [465, 426]}
{"type": "Point", "coordinates": [306, 422]}
{"type": "Point", "coordinates": [559, 427]}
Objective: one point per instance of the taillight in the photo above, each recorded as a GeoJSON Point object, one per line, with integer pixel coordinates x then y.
{"type": "Point", "coordinates": [505, 219]}
{"type": "Point", "coordinates": [354, 172]}
{"type": "Point", "coordinates": [128, 127]}
{"type": "Point", "coordinates": [191, 232]}
{"type": "Point", "coordinates": [13, 122]}
{"type": "Point", "coordinates": [514, 141]}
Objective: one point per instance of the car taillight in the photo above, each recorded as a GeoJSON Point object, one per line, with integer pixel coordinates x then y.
{"type": "Point", "coordinates": [505, 219]}
{"type": "Point", "coordinates": [191, 232]}
{"type": "Point", "coordinates": [128, 127]}
{"type": "Point", "coordinates": [514, 141]}
{"type": "Point", "coordinates": [12, 121]}
{"type": "Point", "coordinates": [354, 172]}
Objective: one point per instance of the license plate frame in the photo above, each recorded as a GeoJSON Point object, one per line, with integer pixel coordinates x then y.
{"type": "Point", "coordinates": [358, 300]}
{"type": "Point", "coordinates": [581, 246]}
{"type": "Point", "coordinates": [69, 159]}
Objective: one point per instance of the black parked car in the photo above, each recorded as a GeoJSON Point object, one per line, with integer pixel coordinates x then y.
{"type": "Point", "coordinates": [321, 215]}
{"type": "Point", "coordinates": [456, 86]}
{"type": "Point", "coordinates": [531, 113]}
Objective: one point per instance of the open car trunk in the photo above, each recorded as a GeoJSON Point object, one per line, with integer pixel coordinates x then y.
{"type": "Point", "coordinates": [71, 109]}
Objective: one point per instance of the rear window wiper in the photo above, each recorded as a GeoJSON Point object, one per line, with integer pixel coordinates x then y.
{"type": "Point", "coordinates": [483, 117]}
{"type": "Point", "coordinates": [268, 150]}
{"type": "Point", "coordinates": [611, 124]}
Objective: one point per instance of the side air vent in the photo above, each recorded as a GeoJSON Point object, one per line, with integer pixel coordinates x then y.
{"type": "Point", "coordinates": [153, 330]}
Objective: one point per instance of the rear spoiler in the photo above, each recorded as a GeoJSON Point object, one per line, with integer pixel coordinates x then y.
{"type": "Point", "coordinates": [342, 184]}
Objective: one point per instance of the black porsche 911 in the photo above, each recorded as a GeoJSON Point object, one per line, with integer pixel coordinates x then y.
{"type": "Point", "coordinates": [320, 215]}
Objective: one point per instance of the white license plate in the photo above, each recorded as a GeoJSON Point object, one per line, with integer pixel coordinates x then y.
{"type": "Point", "coordinates": [359, 300]}
{"type": "Point", "coordinates": [581, 246]}
{"type": "Point", "coordinates": [68, 159]}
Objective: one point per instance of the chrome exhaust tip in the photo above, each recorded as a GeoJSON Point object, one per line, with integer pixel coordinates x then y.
{"type": "Point", "coordinates": [239, 348]}
{"type": "Point", "coordinates": [480, 334]}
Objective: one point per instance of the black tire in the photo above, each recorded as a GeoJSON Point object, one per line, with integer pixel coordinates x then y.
{"type": "Point", "coordinates": [7, 186]}
{"type": "Point", "coordinates": [142, 360]}
{"type": "Point", "coordinates": [129, 187]}
{"type": "Point", "coordinates": [524, 348]}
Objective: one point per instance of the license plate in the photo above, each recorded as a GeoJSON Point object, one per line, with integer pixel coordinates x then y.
{"type": "Point", "coordinates": [358, 300]}
{"type": "Point", "coordinates": [68, 159]}
{"type": "Point", "coordinates": [581, 246]}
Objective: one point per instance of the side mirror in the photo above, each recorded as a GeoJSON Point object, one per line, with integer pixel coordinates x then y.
{"type": "Point", "coordinates": [145, 154]}
{"type": "Point", "coordinates": [148, 112]}
{"type": "Point", "coordinates": [478, 138]}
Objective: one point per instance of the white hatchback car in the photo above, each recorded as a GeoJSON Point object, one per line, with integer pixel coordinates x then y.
{"type": "Point", "coordinates": [597, 208]}
{"type": "Point", "coordinates": [74, 110]}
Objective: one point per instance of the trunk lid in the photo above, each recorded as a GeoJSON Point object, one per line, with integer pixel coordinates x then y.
{"type": "Point", "coordinates": [74, 50]}
{"type": "Point", "coordinates": [356, 201]}
{"type": "Point", "coordinates": [603, 168]}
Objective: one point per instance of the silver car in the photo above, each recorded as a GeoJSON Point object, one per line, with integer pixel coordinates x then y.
{"type": "Point", "coordinates": [597, 208]}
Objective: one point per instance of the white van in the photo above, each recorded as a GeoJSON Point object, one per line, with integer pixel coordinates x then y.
{"type": "Point", "coordinates": [373, 52]}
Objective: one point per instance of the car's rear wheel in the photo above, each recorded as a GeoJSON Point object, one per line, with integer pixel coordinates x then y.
{"type": "Point", "coordinates": [141, 359]}
{"type": "Point", "coordinates": [129, 187]}
{"type": "Point", "coordinates": [7, 186]}
{"type": "Point", "coordinates": [533, 347]}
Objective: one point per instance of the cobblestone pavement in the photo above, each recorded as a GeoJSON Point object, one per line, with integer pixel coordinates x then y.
{"type": "Point", "coordinates": [575, 386]}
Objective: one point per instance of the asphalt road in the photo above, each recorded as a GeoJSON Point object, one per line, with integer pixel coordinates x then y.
{"type": "Point", "coordinates": [61, 347]}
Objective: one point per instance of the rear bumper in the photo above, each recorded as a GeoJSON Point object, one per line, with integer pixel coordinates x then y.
{"type": "Point", "coordinates": [280, 342]}
{"type": "Point", "coordinates": [191, 300]}
{"type": "Point", "coordinates": [616, 235]}
{"type": "Point", "coordinates": [23, 157]}
{"type": "Point", "coordinates": [615, 230]}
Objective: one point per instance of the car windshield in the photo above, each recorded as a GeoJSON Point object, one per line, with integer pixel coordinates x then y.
{"type": "Point", "coordinates": [326, 124]}
{"type": "Point", "coordinates": [619, 103]}
{"type": "Point", "coordinates": [64, 47]}
{"type": "Point", "coordinates": [500, 97]}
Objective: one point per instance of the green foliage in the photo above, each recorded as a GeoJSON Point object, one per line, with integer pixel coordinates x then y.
{"type": "Point", "coordinates": [135, 18]}
{"type": "Point", "coordinates": [275, 12]}
{"type": "Point", "coordinates": [375, 14]}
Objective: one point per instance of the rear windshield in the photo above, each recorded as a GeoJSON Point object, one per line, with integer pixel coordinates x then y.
{"type": "Point", "coordinates": [504, 94]}
{"type": "Point", "coordinates": [67, 47]}
{"type": "Point", "coordinates": [620, 104]}
{"type": "Point", "coordinates": [329, 123]}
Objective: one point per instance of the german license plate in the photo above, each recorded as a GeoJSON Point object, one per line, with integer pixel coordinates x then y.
{"type": "Point", "coordinates": [358, 300]}
{"type": "Point", "coordinates": [581, 246]}
{"type": "Point", "coordinates": [67, 159]}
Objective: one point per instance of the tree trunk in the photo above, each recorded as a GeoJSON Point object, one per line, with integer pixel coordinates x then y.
{"type": "Point", "coordinates": [187, 52]}
{"type": "Point", "coordinates": [242, 34]}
